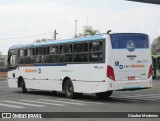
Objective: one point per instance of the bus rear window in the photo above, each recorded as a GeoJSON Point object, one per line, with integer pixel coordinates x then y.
{"type": "Point", "coordinates": [122, 41]}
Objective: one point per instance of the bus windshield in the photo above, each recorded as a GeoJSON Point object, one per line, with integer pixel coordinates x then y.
{"type": "Point", "coordinates": [123, 41]}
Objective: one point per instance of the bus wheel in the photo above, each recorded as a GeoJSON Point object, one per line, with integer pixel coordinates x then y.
{"type": "Point", "coordinates": [54, 92]}
{"type": "Point", "coordinates": [69, 90]}
{"type": "Point", "coordinates": [104, 95]}
{"type": "Point", "coordinates": [23, 86]}
{"type": "Point", "coordinates": [153, 77]}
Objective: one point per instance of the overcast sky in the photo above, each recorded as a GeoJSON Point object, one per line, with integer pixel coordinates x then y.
{"type": "Point", "coordinates": [22, 18]}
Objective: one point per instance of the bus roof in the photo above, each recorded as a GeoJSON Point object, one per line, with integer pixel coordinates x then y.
{"type": "Point", "coordinates": [72, 40]}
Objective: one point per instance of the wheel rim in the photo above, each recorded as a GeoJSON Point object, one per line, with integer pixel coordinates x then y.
{"type": "Point", "coordinates": [69, 89]}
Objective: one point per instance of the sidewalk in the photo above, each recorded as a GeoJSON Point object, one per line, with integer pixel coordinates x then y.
{"type": "Point", "coordinates": [3, 83]}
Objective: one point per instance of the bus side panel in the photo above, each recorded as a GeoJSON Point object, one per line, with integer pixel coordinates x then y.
{"type": "Point", "coordinates": [96, 80]}
{"type": "Point", "coordinates": [89, 87]}
{"type": "Point", "coordinates": [97, 72]}
{"type": "Point", "coordinates": [44, 84]}
{"type": "Point", "coordinates": [42, 77]}
{"type": "Point", "coordinates": [51, 77]}
{"type": "Point", "coordinates": [12, 83]}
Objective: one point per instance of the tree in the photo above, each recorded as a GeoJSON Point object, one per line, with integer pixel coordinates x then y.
{"type": "Point", "coordinates": [155, 47]}
{"type": "Point", "coordinates": [88, 30]}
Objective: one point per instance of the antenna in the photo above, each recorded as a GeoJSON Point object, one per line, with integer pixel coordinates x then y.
{"type": "Point", "coordinates": [75, 33]}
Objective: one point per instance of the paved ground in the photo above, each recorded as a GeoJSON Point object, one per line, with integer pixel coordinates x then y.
{"type": "Point", "coordinates": [13, 100]}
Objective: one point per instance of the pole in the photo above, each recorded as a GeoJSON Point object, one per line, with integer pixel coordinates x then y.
{"type": "Point", "coordinates": [55, 34]}
{"type": "Point", "coordinates": [75, 34]}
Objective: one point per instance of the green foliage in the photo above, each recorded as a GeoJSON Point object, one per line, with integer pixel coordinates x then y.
{"type": "Point", "coordinates": [88, 30]}
{"type": "Point", "coordinates": [153, 52]}
{"type": "Point", "coordinates": [155, 46]}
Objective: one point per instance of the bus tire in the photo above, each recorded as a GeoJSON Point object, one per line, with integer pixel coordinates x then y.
{"type": "Point", "coordinates": [54, 92]}
{"type": "Point", "coordinates": [153, 77]}
{"type": "Point", "coordinates": [69, 90]}
{"type": "Point", "coordinates": [104, 95]}
{"type": "Point", "coordinates": [23, 86]}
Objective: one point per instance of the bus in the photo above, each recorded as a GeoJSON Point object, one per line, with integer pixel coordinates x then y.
{"type": "Point", "coordinates": [96, 64]}
{"type": "Point", "coordinates": [156, 66]}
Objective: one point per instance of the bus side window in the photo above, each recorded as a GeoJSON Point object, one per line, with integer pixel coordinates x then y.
{"type": "Point", "coordinates": [12, 60]}
{"type": "Point", "coordinates": [96, 51]}
{"type": "Point", "coordinates": [96, 46]}
{"type": "Point", "coordinates": [80, 47]}
{"type": "Point", "coordinates": [21, 58]}
{"type": "Point", "coordinates": [52, 54]}
{"type": "Point", "coordinates": [65, 53]}
{"type": "Point", "coordinates": [80, 52]}
{"type": "Point", "coordinates": [41, 55]}
{"type": "Point", "coordinates": [61, 49]}
{"type": "Point", "coordinates": [30, 58]}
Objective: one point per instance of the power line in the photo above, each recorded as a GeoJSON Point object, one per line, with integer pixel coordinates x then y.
{"type": "Point", "coordinates": [27, 36]}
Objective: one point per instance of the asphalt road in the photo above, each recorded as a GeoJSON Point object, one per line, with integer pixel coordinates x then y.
{"type": "Point", "coordinates": [13, 100]}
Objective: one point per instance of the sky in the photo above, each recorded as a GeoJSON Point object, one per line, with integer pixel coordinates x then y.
{"type": "Point", "coordinates": [25, 18]}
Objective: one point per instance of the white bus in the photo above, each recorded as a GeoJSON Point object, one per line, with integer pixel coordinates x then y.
{"type": "Point", "coordinates": [97, 64]}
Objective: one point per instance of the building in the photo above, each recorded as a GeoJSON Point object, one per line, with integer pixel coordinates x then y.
{"type": "Point", "coordinates": [3, 66]}
{"type": "Point", "coordinates": [3, 60]}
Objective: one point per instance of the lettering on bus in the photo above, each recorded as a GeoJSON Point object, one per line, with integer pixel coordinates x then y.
{"type": "Point", "coordinates": [134, 66]}
{"type": "Point", "coordinates": [33, 70]}
{"type": "Point", "coordinates": [98, 67]}
{"type": "Point", "coordinates": [137, 65]}
{"type": "Point", "coordinates": [66, 71]}
{"type": "Point", "coordinates": [142, 61]}
{"type": "Point", "coordinates": [121, 66]}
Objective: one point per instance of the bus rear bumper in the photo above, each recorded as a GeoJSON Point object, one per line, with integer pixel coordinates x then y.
{"type": "Point", "coordinates": [131, 85]}
{"type": "Point", "coordinates": [109, 85]}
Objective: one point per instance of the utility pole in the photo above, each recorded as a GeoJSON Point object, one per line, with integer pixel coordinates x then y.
{"type": "Point", "coordinates": [87, 21]}
{"type": "Point", "coordinates": [75, 33]}
{"type": "Point", "coordinates": [55, 35]}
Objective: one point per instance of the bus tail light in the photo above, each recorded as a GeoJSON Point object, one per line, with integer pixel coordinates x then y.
{"type": "Point", "coordinates": [150, 71]}
{"type": "Point", "coordinates": [110, 73]}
